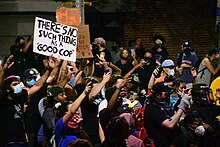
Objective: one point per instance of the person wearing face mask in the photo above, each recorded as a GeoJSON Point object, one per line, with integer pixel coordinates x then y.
{"type": "Point", "coordinates": [11, 110]}
{"type": "Point", "coordinates": [144, 73]}
{"type": "Point", "coordinates": [127, 62]}
{"type": "Point", "coordinates": [160, 121]}
{"type": "Point", "coordinates": [168, 70]}
{"type": "Point", "coordinates": [185, 61]}
{"type": "Point", "coordinates": [206, 69]}
{"type": "Point", "coordinates": [204, 108]}
{"type": "Point", "coordinates": [179, 86]}
{"type": "Point", "coordinates": [192, 131]}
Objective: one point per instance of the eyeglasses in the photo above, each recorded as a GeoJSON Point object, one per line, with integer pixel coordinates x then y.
{"type": "Point", "coordinates": [218, 90]}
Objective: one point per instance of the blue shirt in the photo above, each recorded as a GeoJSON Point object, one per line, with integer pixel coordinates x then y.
{"type": "Point", "coordinates": [63, 137]}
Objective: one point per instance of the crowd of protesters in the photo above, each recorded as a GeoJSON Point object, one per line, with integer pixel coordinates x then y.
{"type": "Point", "coordinates": [119, 98]}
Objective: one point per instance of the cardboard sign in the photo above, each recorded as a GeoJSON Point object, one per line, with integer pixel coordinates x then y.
{"type": "Point", "coordinates": [68, 16]}
{"type": "Point", "coordinates": [83, 44]}
{"type": "Point", "coordinates": [55, 39]}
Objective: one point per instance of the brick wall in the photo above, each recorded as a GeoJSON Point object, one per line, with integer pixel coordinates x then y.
{"type": "Point", "coordinates": [176, 20]}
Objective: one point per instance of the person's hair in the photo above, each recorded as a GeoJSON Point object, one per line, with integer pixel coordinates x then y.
{"type": "Point", "coordinates": [129, 54]}
{"type": "Point", "coordinates": [212, 51]}
{"type": "Point", "coordinates": [176, 83]}
{"type": "Point", "coordinates": [149, 51]}
{"type": "Point", "coordinates": [62, 109]}
{"type": "Point", "coordinates": [116, 132]}
{"type": "Point", "coordinates": [80, 143]}
{"type": "Point", "coordinates": [17, 40]}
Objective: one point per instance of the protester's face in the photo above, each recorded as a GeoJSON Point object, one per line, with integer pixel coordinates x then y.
{"type": "Point", "coordinates": [162, 95]}
{"type": "Point", "coordinates": [148, 55]}
{"type": "Point", "coordinates": [124, 53]}
{"type": "Point", "coordinates": [13, 84]}
{"type": "Point", "coordinates": [61, 97]}
{"type": "Point", "coordinates": [182, 86]}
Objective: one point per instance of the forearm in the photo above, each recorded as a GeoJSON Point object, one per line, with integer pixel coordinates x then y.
{"type": "Point", "coordinates": [2, 74]}
{"type": "Point", "coordinates": [118, 70]}
{"type": "Point", "coordinates": [67, 117]}
{"type": "Point", "coordinates": [130, 72]}
{"type": "Point", "coordinates": [113, 99]}
{"type": "Point", "coordinates": [96, 90]}
{"type": "Point", "coordinates": [171, 123]}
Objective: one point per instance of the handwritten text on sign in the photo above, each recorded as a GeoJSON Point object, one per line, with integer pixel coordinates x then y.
{"type": "Point", "coordinates": [53, 38]}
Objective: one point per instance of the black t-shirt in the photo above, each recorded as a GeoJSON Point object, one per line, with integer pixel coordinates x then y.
{"type": "Point", "coordinates": [11, 121]}
{"type": "Point", "coordinates": [146, 73]}
{"type": "Point", "coordinates": [32, 118]}
{"type": "Point", "coordinates": [153, 119]}
{"type": "Point", "coordinates": [99, 71]}
{"type": "Point", "coordinates": [90, 120]}
{"type": "Point", "coordinates": [125, 68]}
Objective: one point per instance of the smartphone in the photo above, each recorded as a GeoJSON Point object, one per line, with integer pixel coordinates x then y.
{"type": "Point", "coordinates": [132, 52]}
{"type": "Point", "coordinates": [70, 68]}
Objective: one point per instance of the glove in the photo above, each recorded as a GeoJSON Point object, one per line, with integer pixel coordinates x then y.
{"type": "Point", "coordinates": [184, 103]}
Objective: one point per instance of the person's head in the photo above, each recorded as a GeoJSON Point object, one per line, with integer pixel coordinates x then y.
{"type": "Point", "coordinates": [168, 80]}
{"type": "Point", "coordinates": [132, 96]}
{"type": "Point", "coordinates": [213, 53]}
{"type": "Point", "coordinates": [125, 54]}
{"type": "Point", "coordinates": [193, 124]}
{"type": "Point", "coordinates": [63, 109]}
{"type": "Point", "coordinates": [161, 91]}
{"type": "Point", "coordinates": [185, 44]}
{"type": "Point", "coordinates": [80, 143]}
{"type": "Point", "coordinates": [118, 130]}
{"type": "Point", "coordinates": [57, 94]}
{"type": "Point", "coordinates": [168, 67]}
{"type": "Point", "coordinates": [179, 86]}
{"type": "Point", "coordinates": [93, 80]}
{"type": "Point", "coordinates": [12, 86]}
{"type": "Point", "coordinates": [100, 42]}
{"type": "Point", "coordinates": [201, 94]}
{"type": "Point", "coordinates": [29, 77]}
{"type": "Point", "coordinates": [217, 94]}
{"type": "Point", "coordinates": [20, 42]}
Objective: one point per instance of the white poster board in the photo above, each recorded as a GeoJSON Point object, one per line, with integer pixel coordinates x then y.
{"type": "Point", "coordinates": [51, 38]}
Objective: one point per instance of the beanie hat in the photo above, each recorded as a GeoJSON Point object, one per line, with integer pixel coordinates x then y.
{"type": "Point", "coordinates": [56, 90]}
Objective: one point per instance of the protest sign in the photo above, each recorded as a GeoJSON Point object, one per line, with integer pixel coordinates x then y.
{"type": "Point", "coordinates": [83, 42]}
{"type": "Point", "coordinates": [55, 39]}
{"type": "Point", "coordinates": [68, 16]}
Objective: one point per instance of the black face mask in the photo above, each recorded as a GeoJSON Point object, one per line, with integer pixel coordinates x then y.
{"type": "Point", "coordinates": [187, 52]}
{"type": "Point", "coordinates": [148, 59]}
{"type": "Point", "coordinates": [21, 46]}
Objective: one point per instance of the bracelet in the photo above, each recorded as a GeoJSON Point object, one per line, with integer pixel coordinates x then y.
{"type": "Point", "coordinates": [118, 88]}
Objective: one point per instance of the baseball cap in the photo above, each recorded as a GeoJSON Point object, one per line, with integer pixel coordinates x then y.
{"type": "Point", "coordinates": [29, 73]}
{"type": "Point", "coordinates": [56, 90]}
{"type": "Point", "coordinates": [168, 63]}
{"type": "Point", "coordinates": [7, 82]}
{"type": "Point", "coordinates": [160, 87]}
{"type": "Point", "coordinates": [186, 44]}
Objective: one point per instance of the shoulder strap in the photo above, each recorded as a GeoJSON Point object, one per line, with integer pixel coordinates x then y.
{"type": "Point", "coordinates": [203, 70]}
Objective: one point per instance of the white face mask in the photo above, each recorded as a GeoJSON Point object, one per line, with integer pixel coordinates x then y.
{"type": "Point", "coordinates": [200, 130]}
{"type": "Point", "coordinates": [18, 88]}
{"type": "Point", "coordinates": [171, 72]}
{"type": "Point", "coordinates": [217, 56]}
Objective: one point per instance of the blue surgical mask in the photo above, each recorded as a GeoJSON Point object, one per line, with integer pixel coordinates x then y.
{"type": "Point", "coordinates": [31, 83]}
{"type": "Point", "coordinates": [18, 88]}
{"type": "Point", "coordinates": [179, 93]}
